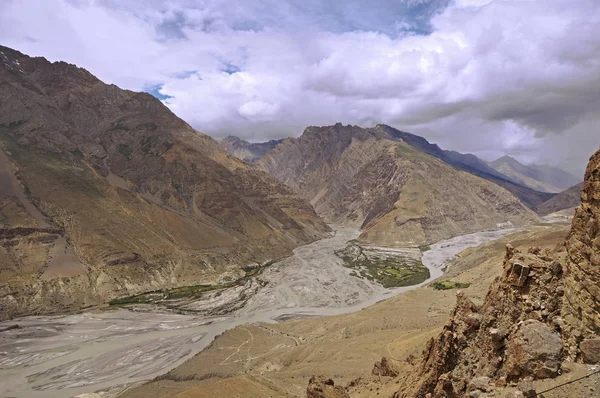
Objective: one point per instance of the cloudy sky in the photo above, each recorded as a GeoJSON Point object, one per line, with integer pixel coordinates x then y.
{"type": "Point", "coordinates": [491, 77]}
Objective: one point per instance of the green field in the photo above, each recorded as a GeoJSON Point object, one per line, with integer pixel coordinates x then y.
{"type": "Point", "coordinates": [387, 271]}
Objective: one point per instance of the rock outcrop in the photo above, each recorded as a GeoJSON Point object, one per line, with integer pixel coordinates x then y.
{"type": "Point", "coordinates": [399, 195]}
{"type": "Point", "coordinates": [581, 306]}
{"type": "Point", "coordinates": [135, 198]}
{"type": "Point", "coordinates": [536, 315]}
{"type": "Point", "coordinates": [514, 334]}
{"type": "Point", "coordinates": [321, 387]}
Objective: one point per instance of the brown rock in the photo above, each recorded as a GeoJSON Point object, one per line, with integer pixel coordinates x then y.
{"type": "Point", "coordinates": [479, 383]}
{"type": "Point", "coordinates": [385, 367]}
{"type": "Point", "coordinates": [526, 387]}
{"type": "Point", "coordinates": [590, 350]}
{"type": "Point", "coordinates": [581, 304]}
{"type": "Point", "coordinates": [518, 274]}
{"type": "Point", "coordinates": [535, 350]}
{"type": "Point", "coordinates": [321, 387]}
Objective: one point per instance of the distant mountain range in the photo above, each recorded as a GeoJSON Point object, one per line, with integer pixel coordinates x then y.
{"type": "Point", "coordinates": [539, 177]}
{"type": "Point", "coordinates": [246, 151]}
{"type": "Point", "coordinates": [524, 190]}
{"type": "Point", "coordinates": [106, 193]}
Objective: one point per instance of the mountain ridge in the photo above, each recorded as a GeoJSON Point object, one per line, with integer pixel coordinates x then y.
{"type": "Point", "coordinates": [368, 179]}
{"type": "Point", "coordinates": [541, 177]}
{"type": "Point", "coordinates": [141, 200]}
{"type": "Point", "coordinates": [247, 151]}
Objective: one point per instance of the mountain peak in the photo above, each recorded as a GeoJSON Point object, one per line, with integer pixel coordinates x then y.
{"type": "Point", "coordinates": [539, 177]}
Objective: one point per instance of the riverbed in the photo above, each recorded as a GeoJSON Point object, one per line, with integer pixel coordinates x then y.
{"type": "Point", "coordinates": [65, 356]}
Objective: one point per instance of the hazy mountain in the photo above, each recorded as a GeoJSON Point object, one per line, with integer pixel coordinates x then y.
{"type": "Point", "coordinates": [471, 164]}
{"type": "Point", "coordinates": [567, 199]}
{"type": "Point", "coordinates": [247, 151]}
{"type": "Point", "coordinates": [105, 192]}
{"type": "Point", "coordinates": [398, 194]}
{"type": "Point", "coordinates": [539, 177]}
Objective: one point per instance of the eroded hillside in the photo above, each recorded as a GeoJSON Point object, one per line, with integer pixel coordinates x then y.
{"type": "Point", "coordinates": [396, 193]}
{"type": "Point", "coordinates": [130, 195]}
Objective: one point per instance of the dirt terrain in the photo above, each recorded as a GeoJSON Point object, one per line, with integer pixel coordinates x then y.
{"type": "Point", "coordinates": [282, 357]}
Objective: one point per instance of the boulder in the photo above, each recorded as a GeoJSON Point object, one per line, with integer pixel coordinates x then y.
{"type": "Point", "coordinates": [535, 350]}
{"type": "Point", "coordinates": [321, 387]}
{"type": "Point", "coordinates": [590, 350]}
{"type": "Point", "coordinates": [526, 387]}
{"type": "Point", "coordinates": [385, 367]}
{"type": "Point", "coordinates": [479, 383]}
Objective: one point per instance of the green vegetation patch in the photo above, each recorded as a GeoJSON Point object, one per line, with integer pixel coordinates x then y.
{"type": "Point", "coordinates": [447, 285]}
{"type": "Point", "coordinates": [424, 248]}
{"type": "Point", "coordinates": [187, 292]}
{"type": "Point", "coordinates": [387, 271]}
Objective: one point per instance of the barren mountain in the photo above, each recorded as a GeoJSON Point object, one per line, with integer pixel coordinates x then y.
{"type": "Point", "coordinates": [540, 177]}
{"type": "Point", "coordinates": [565, 200]}
{"type": "Point", "coordinates": [472, 164]}
{"type": "Point", "coordinates": [105, 192]}
{"type": "Point", "coordinates": [247, 151]}
{"type": "Point", "coordinates": [396, 193]}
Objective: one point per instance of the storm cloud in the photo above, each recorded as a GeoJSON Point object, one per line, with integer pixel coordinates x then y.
{"type": "Point", "coordinates": [492, 77]}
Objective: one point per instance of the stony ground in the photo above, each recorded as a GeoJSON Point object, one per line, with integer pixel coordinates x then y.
{"type": "Point", "coordinates": [67, 355]}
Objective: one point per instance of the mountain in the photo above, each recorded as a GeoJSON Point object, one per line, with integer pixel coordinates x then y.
{"type": "Point", "coordinates": [398, 195]}
{"type": "Point", "coordinates": [105, 193]}
{"type": "Point", "coordinates": [542, 178]}
{"type": "Point", "coordinates": [565, 200]}
{"type": "Point", "coordinates": [471, 164]}
{"type": "Point", "coordinates": [246, 151]}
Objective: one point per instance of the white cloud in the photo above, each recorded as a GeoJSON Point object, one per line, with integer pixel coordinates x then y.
{"type": "Point", "coordinates": [493, 77]}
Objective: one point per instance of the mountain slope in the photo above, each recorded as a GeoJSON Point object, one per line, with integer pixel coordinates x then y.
{"type": "Point", "coordinates": [564, 200]}
{"type": "Point", "coordinates": [471, 164]}
{"type": "Point", "coordinates": [130, 194]}
{"type": "Point", "coordinates": [246, 151]}
{"type": "Point", "coordinates": [541, 178]}
{"type": "Point", "coordinates": [397, 194]}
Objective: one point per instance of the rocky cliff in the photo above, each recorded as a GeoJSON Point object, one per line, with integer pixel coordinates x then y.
{"type": "Point", "coordinates": [396, 193]}
{"type": "Point", "coordinates": [514, 334]}
{"type": "Point", "coordinates": [105, 192]}
{"type": "Point", "coordinates": [581, 306]}
{"type": "Point", "coordinates": [536, 315]}
{"type": "Point", "coordinates": [247, 151]}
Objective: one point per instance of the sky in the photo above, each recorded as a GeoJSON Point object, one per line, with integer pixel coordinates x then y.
{"type": "Point", "coordinates": [489, 77]}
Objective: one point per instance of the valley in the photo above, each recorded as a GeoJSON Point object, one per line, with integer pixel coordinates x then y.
{"type": "Point", "coordinates": [62, 356]}
{"type": "Point", "coordinates": [140, 257]}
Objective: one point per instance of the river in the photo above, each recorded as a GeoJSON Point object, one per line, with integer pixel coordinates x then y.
{"type": "Point", "coordinates": [69, 355]}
